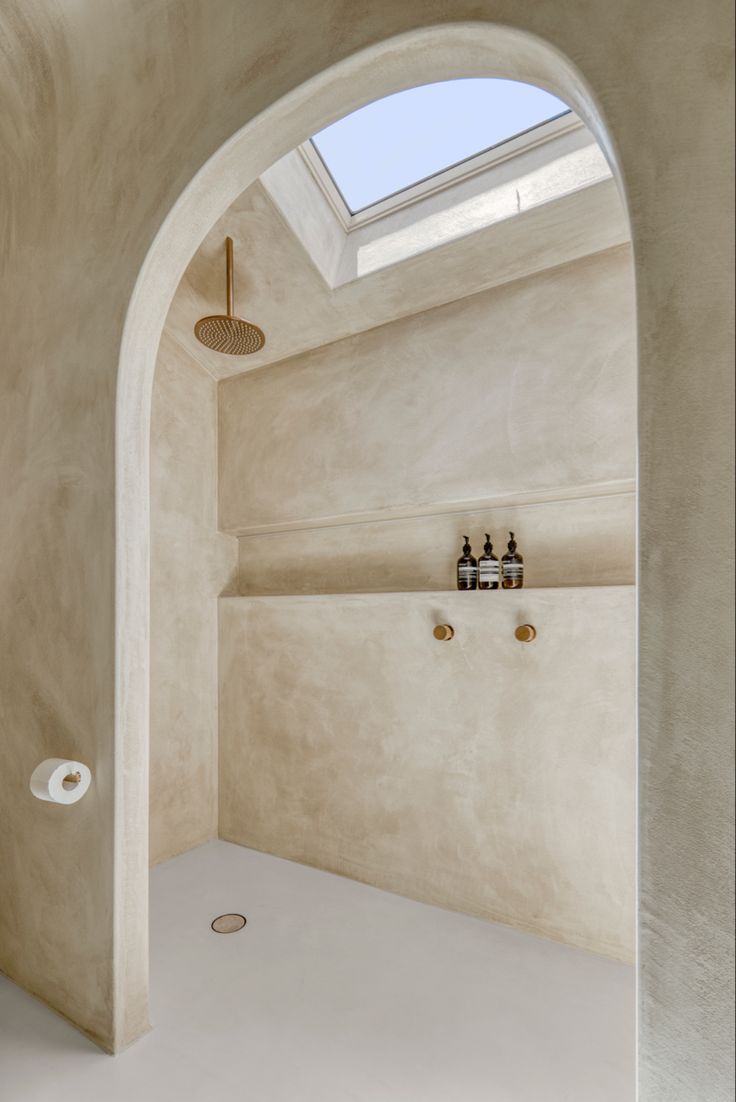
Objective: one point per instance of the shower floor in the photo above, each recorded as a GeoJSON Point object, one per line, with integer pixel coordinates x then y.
{"type": "Point", "coordinates": [335, 992]}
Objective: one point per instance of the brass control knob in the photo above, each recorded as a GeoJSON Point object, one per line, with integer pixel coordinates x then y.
{"type": "Point", "coordinates": [526, 633]}
{"type": "Point", "coordinates": [443, 632]}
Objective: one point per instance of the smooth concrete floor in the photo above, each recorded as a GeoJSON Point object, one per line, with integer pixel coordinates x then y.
{"type": "Point", "coordinates": [335, 992]}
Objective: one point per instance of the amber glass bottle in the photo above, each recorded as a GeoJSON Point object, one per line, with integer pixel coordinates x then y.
{"type": "Point", "coordinates": [467, 568]}
{"type": "Point", "coordinates": [512, 567]}
{"type": "Point", "coordinates": [488, 567]}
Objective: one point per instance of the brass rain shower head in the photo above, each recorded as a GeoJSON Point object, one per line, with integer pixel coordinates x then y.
{"type": "Point", "coordinates": [226, 332]}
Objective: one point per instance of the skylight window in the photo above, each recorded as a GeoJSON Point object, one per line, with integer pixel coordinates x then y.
{"type": "Point", "coordinates": [396, 142]}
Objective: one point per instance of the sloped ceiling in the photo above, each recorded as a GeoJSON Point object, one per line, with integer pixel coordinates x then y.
{"type": "Point", "coordinates": [279, 287]}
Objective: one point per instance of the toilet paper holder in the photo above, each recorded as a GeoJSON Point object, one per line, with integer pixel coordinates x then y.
{"type": "Point", "coordinates": [60, 780]}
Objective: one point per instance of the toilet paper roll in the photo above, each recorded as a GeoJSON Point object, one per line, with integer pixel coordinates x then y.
{"type": "Point", "coordinates": [60, 780]}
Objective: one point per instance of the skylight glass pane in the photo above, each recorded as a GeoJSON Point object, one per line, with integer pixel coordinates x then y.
{"type": "Point", "coordinates": [397, 141]}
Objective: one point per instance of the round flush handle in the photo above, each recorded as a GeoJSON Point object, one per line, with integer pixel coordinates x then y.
{"type": "Point", "coordinates": [443, 632]}
{"type": "Point", "coordinates": [526, 633]}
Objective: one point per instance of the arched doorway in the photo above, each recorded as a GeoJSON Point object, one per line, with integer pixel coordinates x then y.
{"type": "Point", "coordinates": [416, 58]}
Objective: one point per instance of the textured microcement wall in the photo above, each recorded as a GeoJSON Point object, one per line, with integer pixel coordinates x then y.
{"type": "Point", "coordinates": [108, 114]}
{"type": "Point", "coordinates": [525, 392]}
{"type": "Point", "coordinates": [482, 774]}
{"type": "Point", "coordinates": [589, 541]}
{"type": "Point", "coordinates": [191, 563]}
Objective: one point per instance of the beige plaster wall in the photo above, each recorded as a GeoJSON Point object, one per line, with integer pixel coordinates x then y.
{"type": "Point", "coordinates": [348, 739]}
{"type": "Point", "coordinates": [483, 774]}
{"type": "Point", "coordinates": [104, 126]}
{"type": "Point", "coordinates": [359, 456]}
{"type": "Point", "coordinates": [191, 564]}
{"type": "Point", "coordinates": [525, 389]}
{"type": "Point", "coordinates": [589, 541]}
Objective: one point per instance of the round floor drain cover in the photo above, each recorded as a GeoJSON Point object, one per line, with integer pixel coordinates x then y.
{"type": "Point", "coordinates": [228, 924]}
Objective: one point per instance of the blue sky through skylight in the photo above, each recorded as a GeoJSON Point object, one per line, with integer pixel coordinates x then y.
{"type": "Point", "coordinates": [397, 141]}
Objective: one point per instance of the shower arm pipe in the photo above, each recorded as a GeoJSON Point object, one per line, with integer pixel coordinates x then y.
{"type": "Point", "coordinates": [229, 267]}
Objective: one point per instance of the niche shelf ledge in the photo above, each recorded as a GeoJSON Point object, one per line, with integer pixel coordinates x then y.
{"type": "Point", "coordinates": [424, 594]}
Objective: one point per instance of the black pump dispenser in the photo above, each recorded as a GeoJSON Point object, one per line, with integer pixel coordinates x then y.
{"type": "Point", "coordinates": [488, 567]}
{"type": "Point", "coordinates": [512, 567]}
{"type": "Point", "coordinates": [467, 568]}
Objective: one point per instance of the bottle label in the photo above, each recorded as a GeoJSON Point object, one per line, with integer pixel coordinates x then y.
{"type": "Point", "coordinates": [513, 570]}
{"type": "Point", "coordinates": [466, 571]}
{"type": "Point", "coordinates": [488, 570]}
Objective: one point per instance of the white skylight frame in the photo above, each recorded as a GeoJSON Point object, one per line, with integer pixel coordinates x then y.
{"type": "Point", "coordinates": [552, 182]}
{"type": "Point", "coordinates": [563, 123]}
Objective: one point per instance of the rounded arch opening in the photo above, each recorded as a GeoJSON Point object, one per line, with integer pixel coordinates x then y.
{"type": "Point", "coordinates": [422, 56]}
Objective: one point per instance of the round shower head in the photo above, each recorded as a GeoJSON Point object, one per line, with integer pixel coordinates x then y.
{"type": "Point", "coordinates": [226, 332]}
